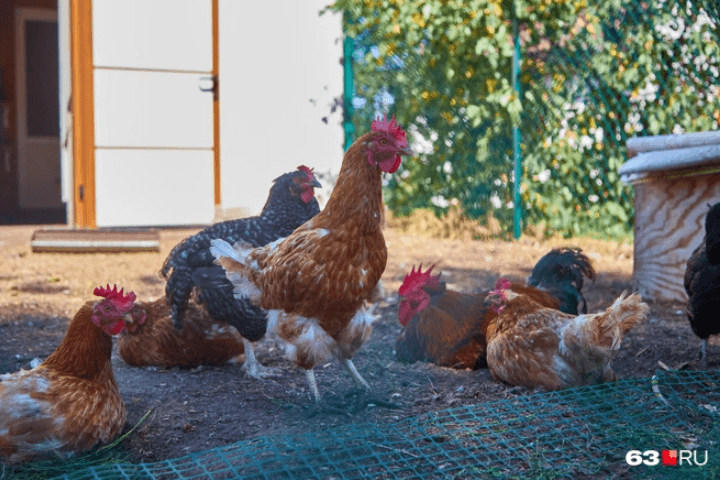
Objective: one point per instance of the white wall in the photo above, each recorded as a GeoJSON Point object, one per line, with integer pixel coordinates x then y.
{"type": "Point", "coordinates": [275, 56]}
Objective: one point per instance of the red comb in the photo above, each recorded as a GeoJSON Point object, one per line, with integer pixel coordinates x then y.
{"type": "Point", "coordinates": [388, 126]}
{"type": "Point", "coordinates": [124, 302]}
{"type": "Point", "coordinates": [417, 279]}
{"type": "Point", "coordinates": [307, 171]}
{"type": "Point", "coordinates": [502, 285]}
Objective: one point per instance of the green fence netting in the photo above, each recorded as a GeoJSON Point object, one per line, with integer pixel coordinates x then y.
{"type": "Point", "coordinates": [575, 433]}
{"type": "Point", "coordinates": [593, 73]}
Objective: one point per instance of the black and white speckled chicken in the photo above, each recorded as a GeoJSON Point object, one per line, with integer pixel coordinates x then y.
{"type": "Point", "coordinates": [702, 283]}
{"type": "Point", "coordinates": [190, 265]}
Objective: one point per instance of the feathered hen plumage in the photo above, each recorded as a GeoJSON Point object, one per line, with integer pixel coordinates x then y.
{"type": "Point", "coordinates": [190, 265]}
{"type": "Point", "coordinates": [701, 282]}
{"type": "Point", "coordinates": [535, 346]}
{"type": "Point", "coordinates": [154, 340]}
{"type": "Point", "coordinates": [314, 282]}
{"type": "Point", "coordinates": [70, 403]}
{"type": "Point", "coordinates": [448, 328]}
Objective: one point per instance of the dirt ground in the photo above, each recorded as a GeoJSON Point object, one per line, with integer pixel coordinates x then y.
{"type": "Point", "coordinates": [194, 410]}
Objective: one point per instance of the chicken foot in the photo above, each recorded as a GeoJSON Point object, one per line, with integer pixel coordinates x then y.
{"type": "Point", "coordinates": [313, 385]}
{"type": "Point", "coordinates": [251, 366]}
{"type": "Point", "coordinates": [702, 351]}
{"type": "Point", "coordinates": [350, 367]}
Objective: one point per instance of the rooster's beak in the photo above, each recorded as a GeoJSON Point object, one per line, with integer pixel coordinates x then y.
{"type": "Point", "coordinates": [316, 184]}
{"type": "Point", "coordinates": [406, 151]}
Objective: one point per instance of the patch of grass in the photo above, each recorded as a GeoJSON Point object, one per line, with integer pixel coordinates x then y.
{"type": "Point", "coordinates": [454, 225]}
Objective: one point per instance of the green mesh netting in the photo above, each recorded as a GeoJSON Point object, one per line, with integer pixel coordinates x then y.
{"type": "Point", "coordinates": [576, 433]}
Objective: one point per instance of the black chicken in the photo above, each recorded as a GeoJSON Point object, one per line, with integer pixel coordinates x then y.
{"type": "Point", "coordinates": [560, 273]}
{"type": "Point", "coordinates": [702, 283]}
{"type": "Point", "coordinates": [190, 265]}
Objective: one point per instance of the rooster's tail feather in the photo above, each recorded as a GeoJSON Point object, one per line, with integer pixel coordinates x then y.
{"type": "Point", "coordinates": [609, 327]}
{"type": "Point", "coordinates": [560, 273]}
{"type": "Point", "coordinates": [234, 260]}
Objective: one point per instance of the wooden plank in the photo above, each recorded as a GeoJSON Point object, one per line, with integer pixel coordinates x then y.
{"type": "Point", "coordinates": [83, 128]}
{"type": "Point", "coordinates": [637, 145]}
{"type": "Point", "coordinates": [669, 225]}
{"type": "Point", "coordinates": [94, 241]}
{"type": "Point", "coordinates": [216, 103]}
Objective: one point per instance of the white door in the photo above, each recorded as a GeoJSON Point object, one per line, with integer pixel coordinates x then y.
{"type": "Point", "coordinates": [38, 143]}
{"type": "Point", "coordinates": [153, 121]}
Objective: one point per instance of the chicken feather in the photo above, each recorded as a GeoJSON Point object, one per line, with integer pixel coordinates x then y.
{"type": "Point", "coordinates": [535, 346]}
{"type": "Point", "coordinates": [315, 282]}
{"type": "Point", "coordinates": [70, 403]}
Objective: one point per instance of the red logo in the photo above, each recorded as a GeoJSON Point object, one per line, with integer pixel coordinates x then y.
{"type": "Point", "coordinates": [669, 457]}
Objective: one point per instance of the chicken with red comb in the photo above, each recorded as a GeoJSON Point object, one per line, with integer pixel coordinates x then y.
{"type": "Point", "coordinates": [449, 328]}
{"type": "Point", "coordinates": [70, 403]}
{"type": "Point", "coordinates": [315, 282]}
{"type": "Point", "coordinates": [191, 273]}
{"type": "Point", "coordinates": [440, 325]}
{"type": "Point", "coordinates": [532, 345]}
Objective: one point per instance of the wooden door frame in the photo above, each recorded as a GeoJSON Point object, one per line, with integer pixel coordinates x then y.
{"type": "Point", "coordinates": [81, 45]}
{"type": "Point", "coordinates": [21, 15]}
{"type": "Point", "coordinates": [216, 105]}
{"type": "Point", "coordinates": [81, 55]}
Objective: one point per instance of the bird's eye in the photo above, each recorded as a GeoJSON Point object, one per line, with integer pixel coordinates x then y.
{"type": "Point", "coordinates": [383, 141]}
{"type": "Point", "coordinates": [107, 308]}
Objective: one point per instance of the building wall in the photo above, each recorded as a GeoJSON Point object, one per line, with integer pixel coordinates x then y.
{"type": "Point", "coordinates": [280, 72]}
{"type": "Point", "coordinates": [9, 182]}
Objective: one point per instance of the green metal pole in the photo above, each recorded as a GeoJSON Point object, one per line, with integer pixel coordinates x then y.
{"type": "Point", "coordinates": [515, 80]}
{"type": "Point", "coordinates": [348, 128]}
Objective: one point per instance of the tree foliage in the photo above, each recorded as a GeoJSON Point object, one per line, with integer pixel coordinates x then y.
{"type": "Point", "coordinates": [592, 75]}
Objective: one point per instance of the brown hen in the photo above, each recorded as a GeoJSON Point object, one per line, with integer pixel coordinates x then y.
{"type": "Point", "coordinates": [154, 340]}
{"type": "Point", "coordinates": [70, 403]}
{"type": "Point", "coordinates": [314, 282]}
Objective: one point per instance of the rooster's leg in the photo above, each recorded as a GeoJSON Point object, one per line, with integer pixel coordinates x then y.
{"type": "Point", "coordinates": [704, 346]}
{"type": "Point", "coordinates": [312, 384]}
{"type": "Point", "coordinates": [348, 364]}
{"type": "Point", "coordinates": [251, 366]}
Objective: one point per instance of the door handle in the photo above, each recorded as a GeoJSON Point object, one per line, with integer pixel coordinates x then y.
{"type": "Point", "coordinates": [213, 88]}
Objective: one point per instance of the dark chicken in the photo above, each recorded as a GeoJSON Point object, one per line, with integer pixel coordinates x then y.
{"type": "Point", "coordinates": [702, 283]}
{"type": "Point", "coordinates": [190, 265]}
{"type": "Point", "coordinates": [560, 272]}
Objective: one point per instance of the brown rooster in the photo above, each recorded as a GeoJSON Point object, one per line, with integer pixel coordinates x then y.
{"type": "Point", "coordinates": [314, 282]}
{"type": "Point", "coordinates": [70, 403]}
{"type": "Point", "coordinates": [535, 346]}
{"type": "Point", "coordinates": [154, 340]}
{"type": "Point", "coordinates": [447, 328]}
{"type": "Point", "coordinates": [440, 325]}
